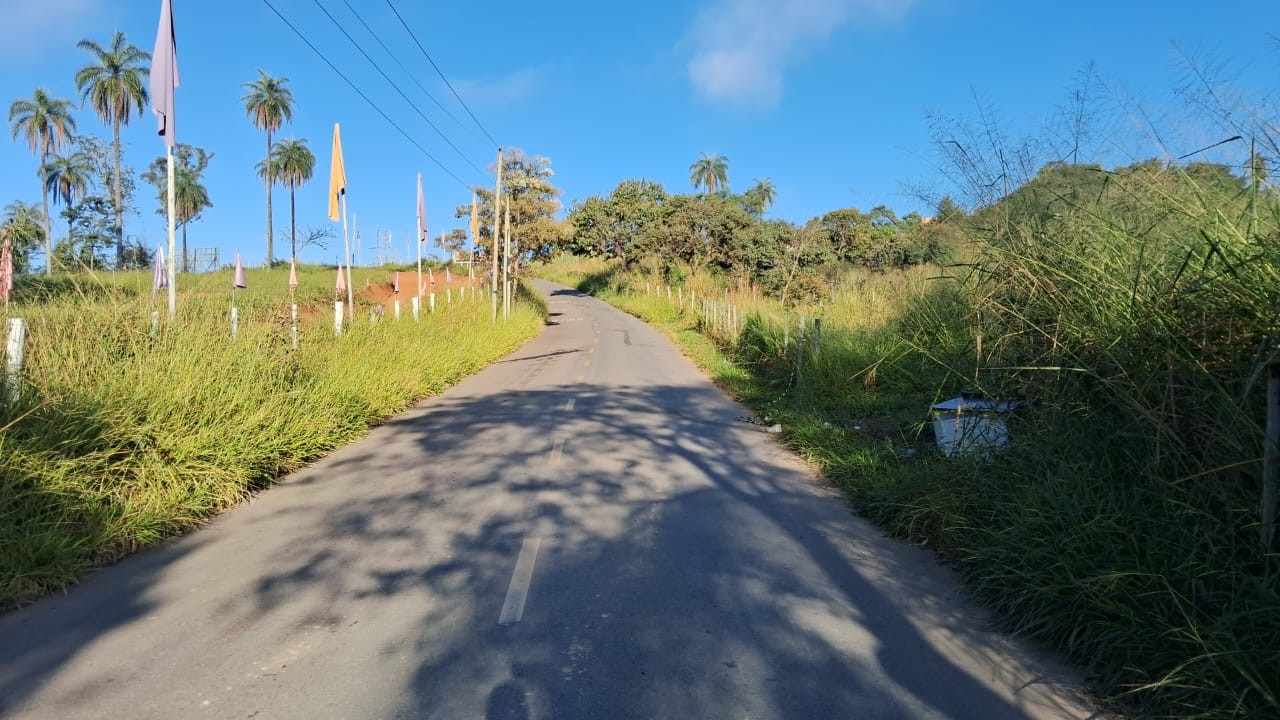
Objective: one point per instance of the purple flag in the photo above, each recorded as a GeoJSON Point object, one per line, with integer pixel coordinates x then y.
{"type": "Point", "coordinates": [164, 74]}
{"type": "Point", "coordinates": [237, 280]}
{"type": "Point", "coordinates": [341, 286]}
{"type": "Point", "coordinates": [422, 214]}
{"type": "Point", "coordinates": [395, 288]}
{"type": "Point", "coordinates": [160, 280]}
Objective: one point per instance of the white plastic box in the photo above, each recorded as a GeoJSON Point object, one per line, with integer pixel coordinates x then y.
{"type": "Point", "coordinates": [971, 423]}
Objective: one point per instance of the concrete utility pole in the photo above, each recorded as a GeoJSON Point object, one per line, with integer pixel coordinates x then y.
{"type": "Point", "coordinates": [497, 203]}
{"type": "Point", "coordinates": [507, 290]}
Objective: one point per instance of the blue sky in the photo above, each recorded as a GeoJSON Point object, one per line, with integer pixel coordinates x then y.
{"type": "Point", "coordinates": [828, 98]}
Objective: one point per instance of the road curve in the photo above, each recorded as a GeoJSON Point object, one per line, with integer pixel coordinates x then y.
{"type": "Point", "coordinates": [585, 529]}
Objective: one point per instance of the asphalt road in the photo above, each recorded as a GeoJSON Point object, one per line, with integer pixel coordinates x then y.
{"type": "Point", "coordinates": [586, 529]}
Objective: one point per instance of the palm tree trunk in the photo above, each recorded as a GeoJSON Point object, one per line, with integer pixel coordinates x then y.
{"type": "Point", "coordinates": [115, 194]}
{"type": "Point", "coordinates": [293, 228]}
{"type": "Point", "coordinates": [270, 182]}
{"type": "Point", "coordinates": [44, 198]}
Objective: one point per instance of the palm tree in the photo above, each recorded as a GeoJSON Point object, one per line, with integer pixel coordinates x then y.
{"type": "Point", "coordinates": [67, 177]}
{"type": "Point", "coordinates": [190, 196]}
{"type": "Point", "coordinates": [24, 224]}
{"type": "Point", "coordinates": [269, 104]}
{"type": "Point", "coordinates": [113, 86]}
{"type": "Point", "coordinates": [291, 165]}
{"type": "Point", "coordinates": [764, 194]}
{"type": "Point", "coordinates": [46, 124]}
{"type": "Point", "coordinates": [710, 173]}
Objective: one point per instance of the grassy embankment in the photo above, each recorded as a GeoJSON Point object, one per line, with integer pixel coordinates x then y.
{"type": "Point", "coordinates": [1121, 525]}
{"type": "Point", "coordinates": [121, 439]}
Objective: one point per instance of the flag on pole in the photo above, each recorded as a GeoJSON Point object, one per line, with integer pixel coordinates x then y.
{"type": "Point", "coordinates": [160, 280]}
{"type": "Point", "coordinates": [337, 177]}
{"type": "Point", "coordinates": [164, 74]}
{"type": "Point", "coordinates": [475, 221]}
{"type": "Point", "coordinates": [341, 285]}
{"type": "Point", "coordinates": [293, 275]}
{"type": "Point", "coordinates": [431, 276]}
{"type": "Point", "coordinates": [395, 287]}
{"type": "Point", "coordinates": [237, 280]}
{"type": "Point", "coordinates": [422, 214]}
{"type": "Point", "coordinates": [6, 269]}
{"type": "Point", "coordinates": [448, 277]}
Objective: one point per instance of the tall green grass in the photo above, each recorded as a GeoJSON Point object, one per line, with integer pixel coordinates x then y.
{"type": "Point", "coordinates": [122, 438]}
{"type": "Point", "coordinates": [1121, 525]}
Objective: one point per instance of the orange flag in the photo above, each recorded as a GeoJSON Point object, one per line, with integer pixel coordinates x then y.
{"type": "Point", "coordinates": [475, 221]}
{"type": "Point", "coordinates": [337, 177]}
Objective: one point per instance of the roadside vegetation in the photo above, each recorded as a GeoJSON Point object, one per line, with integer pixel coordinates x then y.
{"type": "Point", "coordinates": [123, 437]}
{"type": "Point", "coordinates": [1132, 311]}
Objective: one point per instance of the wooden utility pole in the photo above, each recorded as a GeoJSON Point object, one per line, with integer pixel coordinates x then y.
{"type": "Point", "coordinates": [497, 203]}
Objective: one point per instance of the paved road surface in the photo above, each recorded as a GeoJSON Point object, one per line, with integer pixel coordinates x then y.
{"type": "Point", "coordinates": [583, 530]}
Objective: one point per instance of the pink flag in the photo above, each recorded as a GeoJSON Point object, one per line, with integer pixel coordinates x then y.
{"type": "Point", "coordinates": [6, 269]}
{"type": "Point", "coordinates": [164, 74]}
{"type": "Point", "coordinates": [431, 276]}
{"type": "Point", "coordinates": [395, 288]}
{"type": "Point", "coordinates": [161, 278]}
{"type": "Point", "coordinates": [341, 286]}
{"type": "Point", "coordinates": [237, 280]}
{"type": "Point", "coordinates": [448, 277]}
{"type": "Point", "coordinates": [293, 275]}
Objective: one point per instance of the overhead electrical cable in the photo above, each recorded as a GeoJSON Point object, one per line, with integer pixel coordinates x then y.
{"type": "Point", "coordinates": [440, 73]}
{"type": "Point", "coordinates": [396, 87]}
{"type": "Point", "coordinates": [406, 70]}
{"type": "Point", "coordinates": [359, 92]}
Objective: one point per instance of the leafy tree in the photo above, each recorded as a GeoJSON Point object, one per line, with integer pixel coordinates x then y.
{"type": "Point", "coordinates": [25, 227]}
{"type": "Point", "coordinates": [113, 86]}
{"type": "Point", "coordinates": [454, 242]}
{"type": "Point", "coordinates": [46, 124]}
{"type": "Point", "coordinates": [269, 104]}
{"type": "Point", "coordinates": [948, 210]}
{"type": "Point", "coordinates": [190, 197]}
{"type": "Point", "coordinates": [92, 231]}
{"type": "Point", "coordinates": [534, 202]}
{"type": "Point", "coordinates": [68, 177]}
{"type": "Point", "coordinates": [292, 164]}
{"type": "Point", "coordinates": [710, 173]}
{"type": "Point", "coordinates": [621, 225]}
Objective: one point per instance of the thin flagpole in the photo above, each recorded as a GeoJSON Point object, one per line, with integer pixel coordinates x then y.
{"type": "Point", "coordinates": [173, 241]}
{"type": "Point", "coordinates": [346, 242]}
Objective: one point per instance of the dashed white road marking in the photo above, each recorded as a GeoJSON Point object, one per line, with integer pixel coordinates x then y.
{"type": "Point", "coordinates": [521, 578]}
{"type": "Point", "coordinates": [553, 457]}
{"type": "Point", "coordinates": [568, 404]}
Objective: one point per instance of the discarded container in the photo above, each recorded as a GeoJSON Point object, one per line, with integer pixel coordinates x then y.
{"type": "Point", "coordinates": [971, 423]}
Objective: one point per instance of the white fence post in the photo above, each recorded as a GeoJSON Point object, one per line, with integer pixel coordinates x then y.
{"type": "Point", "coordinates": [15, 355]}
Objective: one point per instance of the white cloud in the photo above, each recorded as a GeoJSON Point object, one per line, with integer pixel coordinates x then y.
{"type": "Point", "coordinates": [502, 92]}
{"type": "Point", "coordinates": [34, 28]}
{"type": "Point", "coordinates": [743, 48]}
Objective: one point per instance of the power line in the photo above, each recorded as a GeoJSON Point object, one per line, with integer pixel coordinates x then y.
{"type": "Point", "coordinates": [441, 74]}
{"type": "Point", "coordinates": [401, 65]}
{"type": "Point", "coordinates": [359, 92]}
{"type": "Point", "coordinates": [396, 87]}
